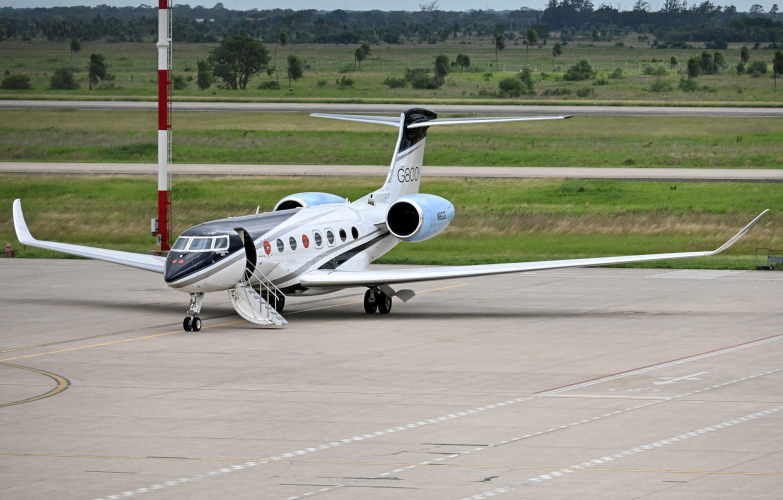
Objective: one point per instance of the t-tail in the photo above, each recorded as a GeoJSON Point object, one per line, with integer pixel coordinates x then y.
{"type": "Point", "coordinates": [405, 171]}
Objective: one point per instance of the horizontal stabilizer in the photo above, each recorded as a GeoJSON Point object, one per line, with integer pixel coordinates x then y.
{"type": "Point", "coordinates": [397, 122]}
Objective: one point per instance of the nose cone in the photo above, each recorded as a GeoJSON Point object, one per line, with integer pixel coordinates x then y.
{"type": "Point", "coordinates": [182, 264]}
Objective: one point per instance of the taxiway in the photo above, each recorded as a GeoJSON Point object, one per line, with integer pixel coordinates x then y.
{"type": "Point", "coordinates": [583, 383]}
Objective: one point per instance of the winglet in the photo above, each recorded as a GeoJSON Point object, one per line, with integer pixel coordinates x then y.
{"type": "Point", "coordinates": [739, 235]}
{"type": "Point", "coordinates": [22, 232]}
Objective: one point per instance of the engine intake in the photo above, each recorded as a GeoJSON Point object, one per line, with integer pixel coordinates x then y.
{"type": "Point", "coordinates": [308, 199]}
{"type": "Point", "coordinates": [418, 217]}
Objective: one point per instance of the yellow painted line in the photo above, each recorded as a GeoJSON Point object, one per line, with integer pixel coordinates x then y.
{"type": "Point", "coordinates": [205, 327]}
{"type": "Point", "coordinates": [114, 342]}
{"type": "Point", "coordinates": [62, 384]}
{"type": "Point", "coordinates": [386, 464]}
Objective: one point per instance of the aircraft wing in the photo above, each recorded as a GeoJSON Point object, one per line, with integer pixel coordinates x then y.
{"type": "Point", "coordinates": [137, 260]}
{"type": "Point", "coordinates": [337, 278]}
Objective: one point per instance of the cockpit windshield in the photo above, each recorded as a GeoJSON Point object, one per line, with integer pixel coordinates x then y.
{"type": "Point", "coordinates": [201, 243]}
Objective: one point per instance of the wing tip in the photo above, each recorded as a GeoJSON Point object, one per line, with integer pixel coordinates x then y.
{"type": "Point", "coordinates": [20, 226]}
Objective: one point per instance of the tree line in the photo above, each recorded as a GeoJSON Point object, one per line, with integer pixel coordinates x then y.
{"type": "Point", "coordinates": [674, 23]}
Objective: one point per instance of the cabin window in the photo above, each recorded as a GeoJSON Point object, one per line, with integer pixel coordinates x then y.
{"type": "Point", "coordinates": [292, 243]}
{"type": "Point", "coordinates": [280, 245]}
{"type": "Point", "coordinates": [221, 243]}
{"type": "Point", "coordinates": [318, 240]}
{"type": "Point", "coordinates": [200, 244]}
{"type": "Point", "coordinates": [330, 237]}
{"type": "Point", "coordinates": [181, 243]}
{"type": "Point", "coordinates": [354, 232]}
{"type": "Point", "coordinates": [342, 235]}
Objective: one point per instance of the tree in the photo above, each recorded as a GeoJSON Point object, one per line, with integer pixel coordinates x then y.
{"type": "Point", "coordinates": [76, 46]}
{"type": "Point", "coordinates": [531, 38]}
{"type": "Point", "coordinates": [282, 41]}
{"type": "Point", "coordinates": [62, 79]}
{"type": "Point", "coordinates": [360, 54]}
{"type": "Point", "coordinates": [442, 68]}
{"type": "Point", "coordinates": [463, 61]}
{"type": "Point", "coordinates": [237, 59]}
{"type": "Point", "coordinates": [500, 44]}
{"type": "Point", "coordinates": [777, 66]}
{"type": "Point", "coordinates": [756, 9]}
{"type": "Point", "coordinates": [745, 54]}
{"type": "Point", "coordinates": [694, 67]}
{"type": "Point", "coordinates": [706, 63]}
{"type": "Point", "coordinates": [96, 69]}
{"type": "Point", "coordinates": [718, 63]}
{"type": "Point", "coordinates": [579, 71]}
{"type": "Point", "coordinates": [557, 50]}
{"type": "Point", "coordinates": [204, 76]}
{"type": "Point", "coordinates": [295, 69]}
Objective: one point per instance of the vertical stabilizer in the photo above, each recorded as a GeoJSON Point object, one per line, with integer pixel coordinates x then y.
{"type": "Point", "coordinates": [406, 166]}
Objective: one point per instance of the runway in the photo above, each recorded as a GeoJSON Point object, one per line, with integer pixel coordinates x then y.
{"type": "Point", "coordinates": [583, 383]}
{"type": "Point", "coordinates": [380, 171]}
{"type": "Point", "coordinates": [395, 109]}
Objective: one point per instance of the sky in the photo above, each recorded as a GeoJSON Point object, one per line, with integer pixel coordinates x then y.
{"type": "Point", "coordinates": [410, 5]}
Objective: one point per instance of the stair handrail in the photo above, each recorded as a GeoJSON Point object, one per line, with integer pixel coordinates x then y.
{"type": "Point", "coordinates": [273, 293]}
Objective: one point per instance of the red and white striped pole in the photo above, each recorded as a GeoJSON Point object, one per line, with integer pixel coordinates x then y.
{"type": "Point", "coordinates": [164, 125]}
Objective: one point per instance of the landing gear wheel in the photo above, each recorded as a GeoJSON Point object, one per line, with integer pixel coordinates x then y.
{"type": "Point", "coordinates": [187, 324]}
{"type": "Point", "coordinates": [384, 303]}
{"type": "Point", "coordinates": [196, 324]}
{"type": "Point", "coordinates": [370, 302]}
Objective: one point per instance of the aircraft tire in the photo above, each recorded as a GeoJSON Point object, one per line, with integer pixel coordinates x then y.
{"type": "Point", "coordinates": [370, 302]}
{"type": "Point", "coordinates": [187, 324]}
{"type": "Point", "coordinates": [384, 303]}
{"type": "Point", "coordinates": [196, 324]}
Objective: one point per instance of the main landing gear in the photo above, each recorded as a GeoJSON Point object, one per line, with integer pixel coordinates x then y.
{"type": "Point", "coordinates": [374, 299]}
{"type": "Point", "coordinates": [193, 322]}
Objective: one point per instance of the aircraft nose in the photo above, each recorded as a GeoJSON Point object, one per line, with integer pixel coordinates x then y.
{"type": "Point", "coordinates": [180, 265]}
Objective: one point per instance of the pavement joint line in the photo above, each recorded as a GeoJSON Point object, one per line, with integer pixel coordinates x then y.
{"type": "Point", "coordinates": [584, 384]}
{"type": "Point", "coordinates": [585, 464]}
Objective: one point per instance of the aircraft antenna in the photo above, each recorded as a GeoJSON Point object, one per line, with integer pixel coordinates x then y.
{"type": "Point", "coordinates": [163, 222]}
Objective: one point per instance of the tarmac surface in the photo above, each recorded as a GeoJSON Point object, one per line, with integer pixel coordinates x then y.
{"type": "Point", "coordinates": [569, 384]}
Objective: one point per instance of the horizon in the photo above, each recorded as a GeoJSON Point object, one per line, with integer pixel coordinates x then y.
{"type": "Point", "coordinates": [367, 5]}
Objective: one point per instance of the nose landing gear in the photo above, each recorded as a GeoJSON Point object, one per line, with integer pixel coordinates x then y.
{"type": "Point", "coordinates": [193, 322]}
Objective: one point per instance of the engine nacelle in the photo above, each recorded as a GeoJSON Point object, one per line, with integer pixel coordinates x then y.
{"type": "Point", "coordinates": [309, 199]}
{"type": "Point", "coordinates": [417, 217]}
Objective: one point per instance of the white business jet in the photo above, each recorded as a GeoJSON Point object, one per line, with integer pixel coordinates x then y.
{"type": "Point", "coordinates": [315, 243]}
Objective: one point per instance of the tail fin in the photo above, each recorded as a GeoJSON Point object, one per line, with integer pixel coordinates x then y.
{"type": "Point", "coordinates": [406, 166]}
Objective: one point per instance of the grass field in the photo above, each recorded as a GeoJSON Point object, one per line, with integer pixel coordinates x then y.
{"type": "Point", "coordinates": [289, 138]}
{"type": "Point", "coordinates": [497, 220]}
{"type": "Point", "coordinates": [134, 68]}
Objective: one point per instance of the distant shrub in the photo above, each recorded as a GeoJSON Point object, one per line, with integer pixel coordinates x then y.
{"type": "Point", "coordinates": [269, 85]}
{"type": "Point", "coordinates": [757, 67]}
{"type": "Point", "coordinates": [344, 82]}
{"type": "Point", "coordinates": [511, 87]}
{"type": "Point", "coordinates": [62, 79]}
{"type": "Point", "coordinates": [16, 82]}
{"type": "Point", "coordinates": [579, 71]}
{"type": "Point", "coordinates": [617, 74]}
{"type": "Point", "coordinates": [395, 83]}
{"type": "Point", "coordinates": [688, 84]}
{"type": "Point", "coordinates": [179, 82]}
{"type": "Point", "coordinates": [558, 91]}
{"type": "Point", "coordinates": [585, 92]}
{"type": "Point", "coordinates": [321, 84]}
{"type": "Point", "coordinates": [655, 70]}
{"type": "Point", "coordinates": [660, 86]}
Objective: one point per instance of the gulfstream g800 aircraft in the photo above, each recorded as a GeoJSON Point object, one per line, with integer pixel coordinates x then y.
{"type": "Point", "coordinates": [314, 243]}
